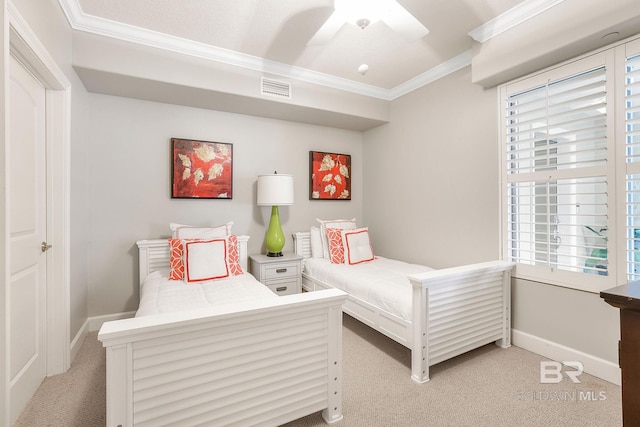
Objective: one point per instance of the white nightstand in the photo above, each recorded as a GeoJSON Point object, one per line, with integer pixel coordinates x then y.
{"type": "Point", "coordinates": [283, 275]}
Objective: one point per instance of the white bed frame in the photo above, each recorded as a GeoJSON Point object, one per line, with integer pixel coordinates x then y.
{"type": "Point", "coordinates": [454, 310]}
{"type": "Point", "coordinates": [264, 363]}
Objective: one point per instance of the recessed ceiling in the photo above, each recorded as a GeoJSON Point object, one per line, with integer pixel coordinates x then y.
{"type": "Point", "coordinates": [278, 30]}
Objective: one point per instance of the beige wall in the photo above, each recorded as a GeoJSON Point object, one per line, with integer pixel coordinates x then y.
{"type": "Point", "coordinates": [431, 175]}
{"type": "Point", "coordinates": [128, 175]}
{"type": "Point", "coordinates": [575, 319]}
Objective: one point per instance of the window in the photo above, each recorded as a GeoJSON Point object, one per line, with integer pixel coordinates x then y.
{"type": "Point", "coordinates": [570, 168]}
{"type": "Point", "coordinates": [557, 177]}
{"type": "Point", "coordinates": [632, 157]}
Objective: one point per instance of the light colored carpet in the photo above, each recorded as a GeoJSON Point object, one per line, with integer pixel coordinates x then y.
{"type": "Point", "coordinates": [75, 398]}
{"type": "Point", "coordinates": [489, 386]}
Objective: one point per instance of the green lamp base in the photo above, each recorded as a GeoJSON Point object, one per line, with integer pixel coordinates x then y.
{"type": "Point", "coordinates": [274, 240]}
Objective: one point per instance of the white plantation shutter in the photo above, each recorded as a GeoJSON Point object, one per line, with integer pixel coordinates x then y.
{"type": "Point", "coordinates": [632, 142]}
{"type": "Point", "coordinates": [555, 164]}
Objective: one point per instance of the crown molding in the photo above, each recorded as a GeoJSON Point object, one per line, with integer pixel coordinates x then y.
{"type": "Point", "coordinates": [80, 21]}
{"type": "Point", "coordinates": [454, 64]}
{"type": "Point", "coordinates": [512, 18]}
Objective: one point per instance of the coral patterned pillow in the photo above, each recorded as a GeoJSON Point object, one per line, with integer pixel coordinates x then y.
{"type": "Point", "coordinates": [176, 262]}
{"type": "Point", "coordinates": [233, 255]}
{"type": "Point", "coordinates": [334, 223]}
{"type": "Point", "coordinates": [336, 248]}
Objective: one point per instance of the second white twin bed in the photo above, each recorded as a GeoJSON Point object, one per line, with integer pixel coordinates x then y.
{"type": "Point", "coordinates": [437, 314]}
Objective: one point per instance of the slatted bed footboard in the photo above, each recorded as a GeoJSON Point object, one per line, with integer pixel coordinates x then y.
{"type": "Point", "coordinates": [266, 364]}
{"type": "Point", "coordinates": [263, 362]}
{"type": "Point", "coordinates": [459, 309]}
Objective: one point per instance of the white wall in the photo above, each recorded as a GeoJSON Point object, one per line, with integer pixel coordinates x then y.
{"type": "Point", "coordinates": [128, 178]}
{"type": "Point", "coordinates": [431, 196]}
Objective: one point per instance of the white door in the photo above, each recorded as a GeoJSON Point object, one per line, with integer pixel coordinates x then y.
{"type": "Point", "coordinates": [27, 226]}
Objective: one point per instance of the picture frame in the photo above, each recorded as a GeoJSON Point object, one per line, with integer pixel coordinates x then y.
{"type": "Point", "coordinates": [201, 169]}
{"type": "Point", "coordinates": [329, 176]}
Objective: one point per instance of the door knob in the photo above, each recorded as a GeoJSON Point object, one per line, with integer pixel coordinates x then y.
{"type": "Point", "coordinates": [45, 247]}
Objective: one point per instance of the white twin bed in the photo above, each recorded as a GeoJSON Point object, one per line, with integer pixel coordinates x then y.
{"type": "Point", "coordinates": [230, 352]}
{"type": "Point", "coordinates": [437, 314]}
{"type": "Point", "coordinates": [222, 352]}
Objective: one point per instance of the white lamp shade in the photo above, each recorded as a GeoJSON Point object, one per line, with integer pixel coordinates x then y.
{"type": "Point", "coordinates": [275, 190]}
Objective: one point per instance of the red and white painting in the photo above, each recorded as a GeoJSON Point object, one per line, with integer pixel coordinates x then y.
{"type": "Point", "coordinates": [201, 169]}
{"type": "Point", "coordinates": [330, 176]}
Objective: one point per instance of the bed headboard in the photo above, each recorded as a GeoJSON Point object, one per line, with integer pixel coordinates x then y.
{"type": "Point", "coordinates": [154, 255]}
{"type": "Point", "coordinates": [302, 243]}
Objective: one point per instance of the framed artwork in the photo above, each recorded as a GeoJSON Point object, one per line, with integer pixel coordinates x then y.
{"type": "Point", "coordinates": [201, 169]}
{"type": "Point", "coordinates": [330, 176]}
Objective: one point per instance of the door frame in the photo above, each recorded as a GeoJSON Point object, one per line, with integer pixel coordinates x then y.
{"type": "Point", "coordinates": [18, 39]}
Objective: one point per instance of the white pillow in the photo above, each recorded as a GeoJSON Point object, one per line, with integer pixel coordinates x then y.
{"type": "Point", "coordinates": [180, 231]}
{"type": "Point", "coordinates": [345, 224]}
{"type": "Point", "coordinates": [316, 242]}
{"type": "Point", "coordinates": [205, 260]}
{"type": "Point", "coordinates": [357, 246]}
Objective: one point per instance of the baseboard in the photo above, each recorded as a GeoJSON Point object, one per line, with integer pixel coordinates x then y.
{"type": "Point", "coordinates": [93, 324]}
{"type": "Point", "coordinates": [593, 365]}
{"type": "Point", "coordinates": [78, 340]}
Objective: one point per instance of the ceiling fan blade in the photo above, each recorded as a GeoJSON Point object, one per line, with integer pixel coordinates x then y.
{"type": "Point", "coordinates": [328, 30]}
{"type": "Point", "coordinates": [404, 23]}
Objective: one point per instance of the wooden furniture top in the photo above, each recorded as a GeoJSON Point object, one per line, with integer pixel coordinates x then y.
{"type": "Point", "coordinates": [625, 296]}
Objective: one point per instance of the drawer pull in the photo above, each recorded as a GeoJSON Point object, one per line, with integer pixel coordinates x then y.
{"type": "Point", "coordinates": [281, 270]}
{"type": "Point", "coordinates": [281, 289]}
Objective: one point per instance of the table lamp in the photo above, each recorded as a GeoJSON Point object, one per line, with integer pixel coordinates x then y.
{"type": "Point", "coordinates": [275, 190]}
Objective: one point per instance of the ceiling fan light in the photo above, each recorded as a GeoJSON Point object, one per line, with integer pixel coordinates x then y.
{"type": "Point", "coordinates": [353, 11]}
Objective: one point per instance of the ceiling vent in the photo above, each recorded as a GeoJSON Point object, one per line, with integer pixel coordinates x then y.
{"type": "Point", "coordinates": [275, 88]}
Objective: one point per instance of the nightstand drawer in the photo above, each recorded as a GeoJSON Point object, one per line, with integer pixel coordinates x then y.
{"type": "Point", "coordinates": [283, 287]}
{"type": "Point", "coordinates": [283, 275]}
{"type": "Point", "coordinates": [281, 270]}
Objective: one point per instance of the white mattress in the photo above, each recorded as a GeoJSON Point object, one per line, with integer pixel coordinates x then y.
{"type": "Point", "coordinates": [159, 295]}
{"type": "Point", "coordinates": [382, 282]}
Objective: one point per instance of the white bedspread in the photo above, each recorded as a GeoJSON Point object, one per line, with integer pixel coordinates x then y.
{"type": "Point", "coordinates": [159, 295]}
{"type": "Point", "coordinates": [382, 282]}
